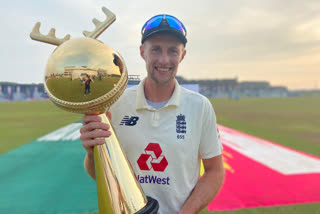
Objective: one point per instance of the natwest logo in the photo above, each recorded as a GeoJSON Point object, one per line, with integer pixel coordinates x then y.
{"type": "Point", "coordinates": [153, 158]}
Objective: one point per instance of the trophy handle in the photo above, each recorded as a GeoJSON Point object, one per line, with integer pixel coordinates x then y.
{"type": "Point", "coordinates": [117, 186]}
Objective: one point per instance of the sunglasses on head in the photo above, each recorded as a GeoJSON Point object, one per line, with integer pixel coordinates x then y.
{"type": "Point", "coordinates": [172, 21]}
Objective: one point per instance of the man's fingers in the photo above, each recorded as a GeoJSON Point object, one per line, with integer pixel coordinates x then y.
{"type": "Point", "coordinates": [90, 118]}
{"type": "Point", "coordinates": [94, 125]}
{"type": "Point", "coordinates": [89, 144]}
{"type": "Point", "coordinates": [94, 134]}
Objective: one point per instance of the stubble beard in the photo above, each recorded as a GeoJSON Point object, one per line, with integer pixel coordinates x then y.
{"type": "Point", "coordinates": [159, 82]}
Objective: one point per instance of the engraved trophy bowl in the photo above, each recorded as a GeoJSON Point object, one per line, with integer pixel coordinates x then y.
{"type": "Point", "coordinates": [84, 75]}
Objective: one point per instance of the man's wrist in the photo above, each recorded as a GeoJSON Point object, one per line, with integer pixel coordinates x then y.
{"type": "Point", "coordinates": [90, 154]}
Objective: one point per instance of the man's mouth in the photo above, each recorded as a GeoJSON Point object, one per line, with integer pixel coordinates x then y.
{"type": "Point", "coordinates": [162, 70]}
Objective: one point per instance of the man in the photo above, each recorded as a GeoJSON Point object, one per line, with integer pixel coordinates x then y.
{"type": "Point", "coordinates": [164, 129]}
{"type": "Point", "coordinates": [87, 83]}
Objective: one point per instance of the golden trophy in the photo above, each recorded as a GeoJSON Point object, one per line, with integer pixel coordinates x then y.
{"type": "Point", "coordinates": [84, 75]}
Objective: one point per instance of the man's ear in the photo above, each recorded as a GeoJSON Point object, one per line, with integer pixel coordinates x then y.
{"type": "Point", "coordinates": [142, 51]}
{"type": "Point", "coordinates": [183, 54]}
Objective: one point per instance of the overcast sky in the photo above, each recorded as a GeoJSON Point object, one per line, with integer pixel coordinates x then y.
{"type": "Point", "coordinates": [257, 40]}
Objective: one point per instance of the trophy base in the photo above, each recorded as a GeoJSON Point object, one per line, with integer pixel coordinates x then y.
{"type": "Point", "coordinates": [151, 207]}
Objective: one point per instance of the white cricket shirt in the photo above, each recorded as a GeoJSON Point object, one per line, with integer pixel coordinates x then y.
{"type": "Point", "coordinates": [165, 146]}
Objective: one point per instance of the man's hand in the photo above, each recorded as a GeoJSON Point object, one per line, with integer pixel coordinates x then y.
{"type": "Point", "coordinates": [93, 133]}
{"type": "Point", "coordinates": [207, 187]}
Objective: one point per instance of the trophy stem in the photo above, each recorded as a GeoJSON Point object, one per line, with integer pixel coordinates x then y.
{"type": "Point", "coordinates": [115, 176]}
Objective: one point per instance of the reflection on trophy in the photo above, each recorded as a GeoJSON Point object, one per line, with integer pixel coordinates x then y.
{"type": "Point", "coordinates": [84, 75]}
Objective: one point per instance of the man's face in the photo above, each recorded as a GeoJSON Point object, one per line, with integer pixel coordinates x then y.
{"type": "Point", "coordinates": [162, 54]}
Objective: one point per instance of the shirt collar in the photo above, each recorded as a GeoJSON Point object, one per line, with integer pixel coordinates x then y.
{"type": "Point", "coordinates": [141, 102]}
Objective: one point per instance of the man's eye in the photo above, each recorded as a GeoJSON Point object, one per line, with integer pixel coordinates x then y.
{"type": "Point", "coordinates": [174, 51]}
{"type": "Point", "coordinates": [155, 49]}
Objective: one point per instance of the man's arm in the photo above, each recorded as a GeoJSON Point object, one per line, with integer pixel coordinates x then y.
{"type": "Point", "coordinates": [89, 165]}
{"type": "Point", "coordinates": [207, 187]}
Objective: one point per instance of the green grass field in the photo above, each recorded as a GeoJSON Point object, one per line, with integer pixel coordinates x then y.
{"type": "Point", "coordinates": [293, 122]}
{"type": "Point", "coordinates": [22, 122]}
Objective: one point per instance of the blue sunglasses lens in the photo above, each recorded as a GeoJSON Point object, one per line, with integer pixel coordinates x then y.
{"type": "Point", "coordinates": [172, 21]}
{"type": "Point", "coordinates": [153, 22]}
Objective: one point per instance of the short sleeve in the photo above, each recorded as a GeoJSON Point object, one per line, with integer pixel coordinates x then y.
{"type": "Point", "coordinates": [210, 145]}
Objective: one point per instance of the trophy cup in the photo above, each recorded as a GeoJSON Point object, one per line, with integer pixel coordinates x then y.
{"type": "Point", "coordinates": [84, 75]}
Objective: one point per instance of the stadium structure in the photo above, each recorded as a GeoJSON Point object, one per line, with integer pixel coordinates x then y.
{"type": "Point", "coordinates": [210, 88]}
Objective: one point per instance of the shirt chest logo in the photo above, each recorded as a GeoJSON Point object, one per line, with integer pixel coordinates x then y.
{"type": "Point", "coordinates": [152, 158]}
{"type": "Point", "coordinates": [129, 121]}
{"type": "Point", "coordinates": [181, 126]}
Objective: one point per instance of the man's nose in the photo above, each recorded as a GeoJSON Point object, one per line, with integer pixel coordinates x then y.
{"type": "Point", "coordinates": [164, 58]}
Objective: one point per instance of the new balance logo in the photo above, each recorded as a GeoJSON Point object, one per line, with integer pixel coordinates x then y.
{"type": "Point", "coordinates": [129, 121]}
{"type": "Point", "coordinates": [153, 158]}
